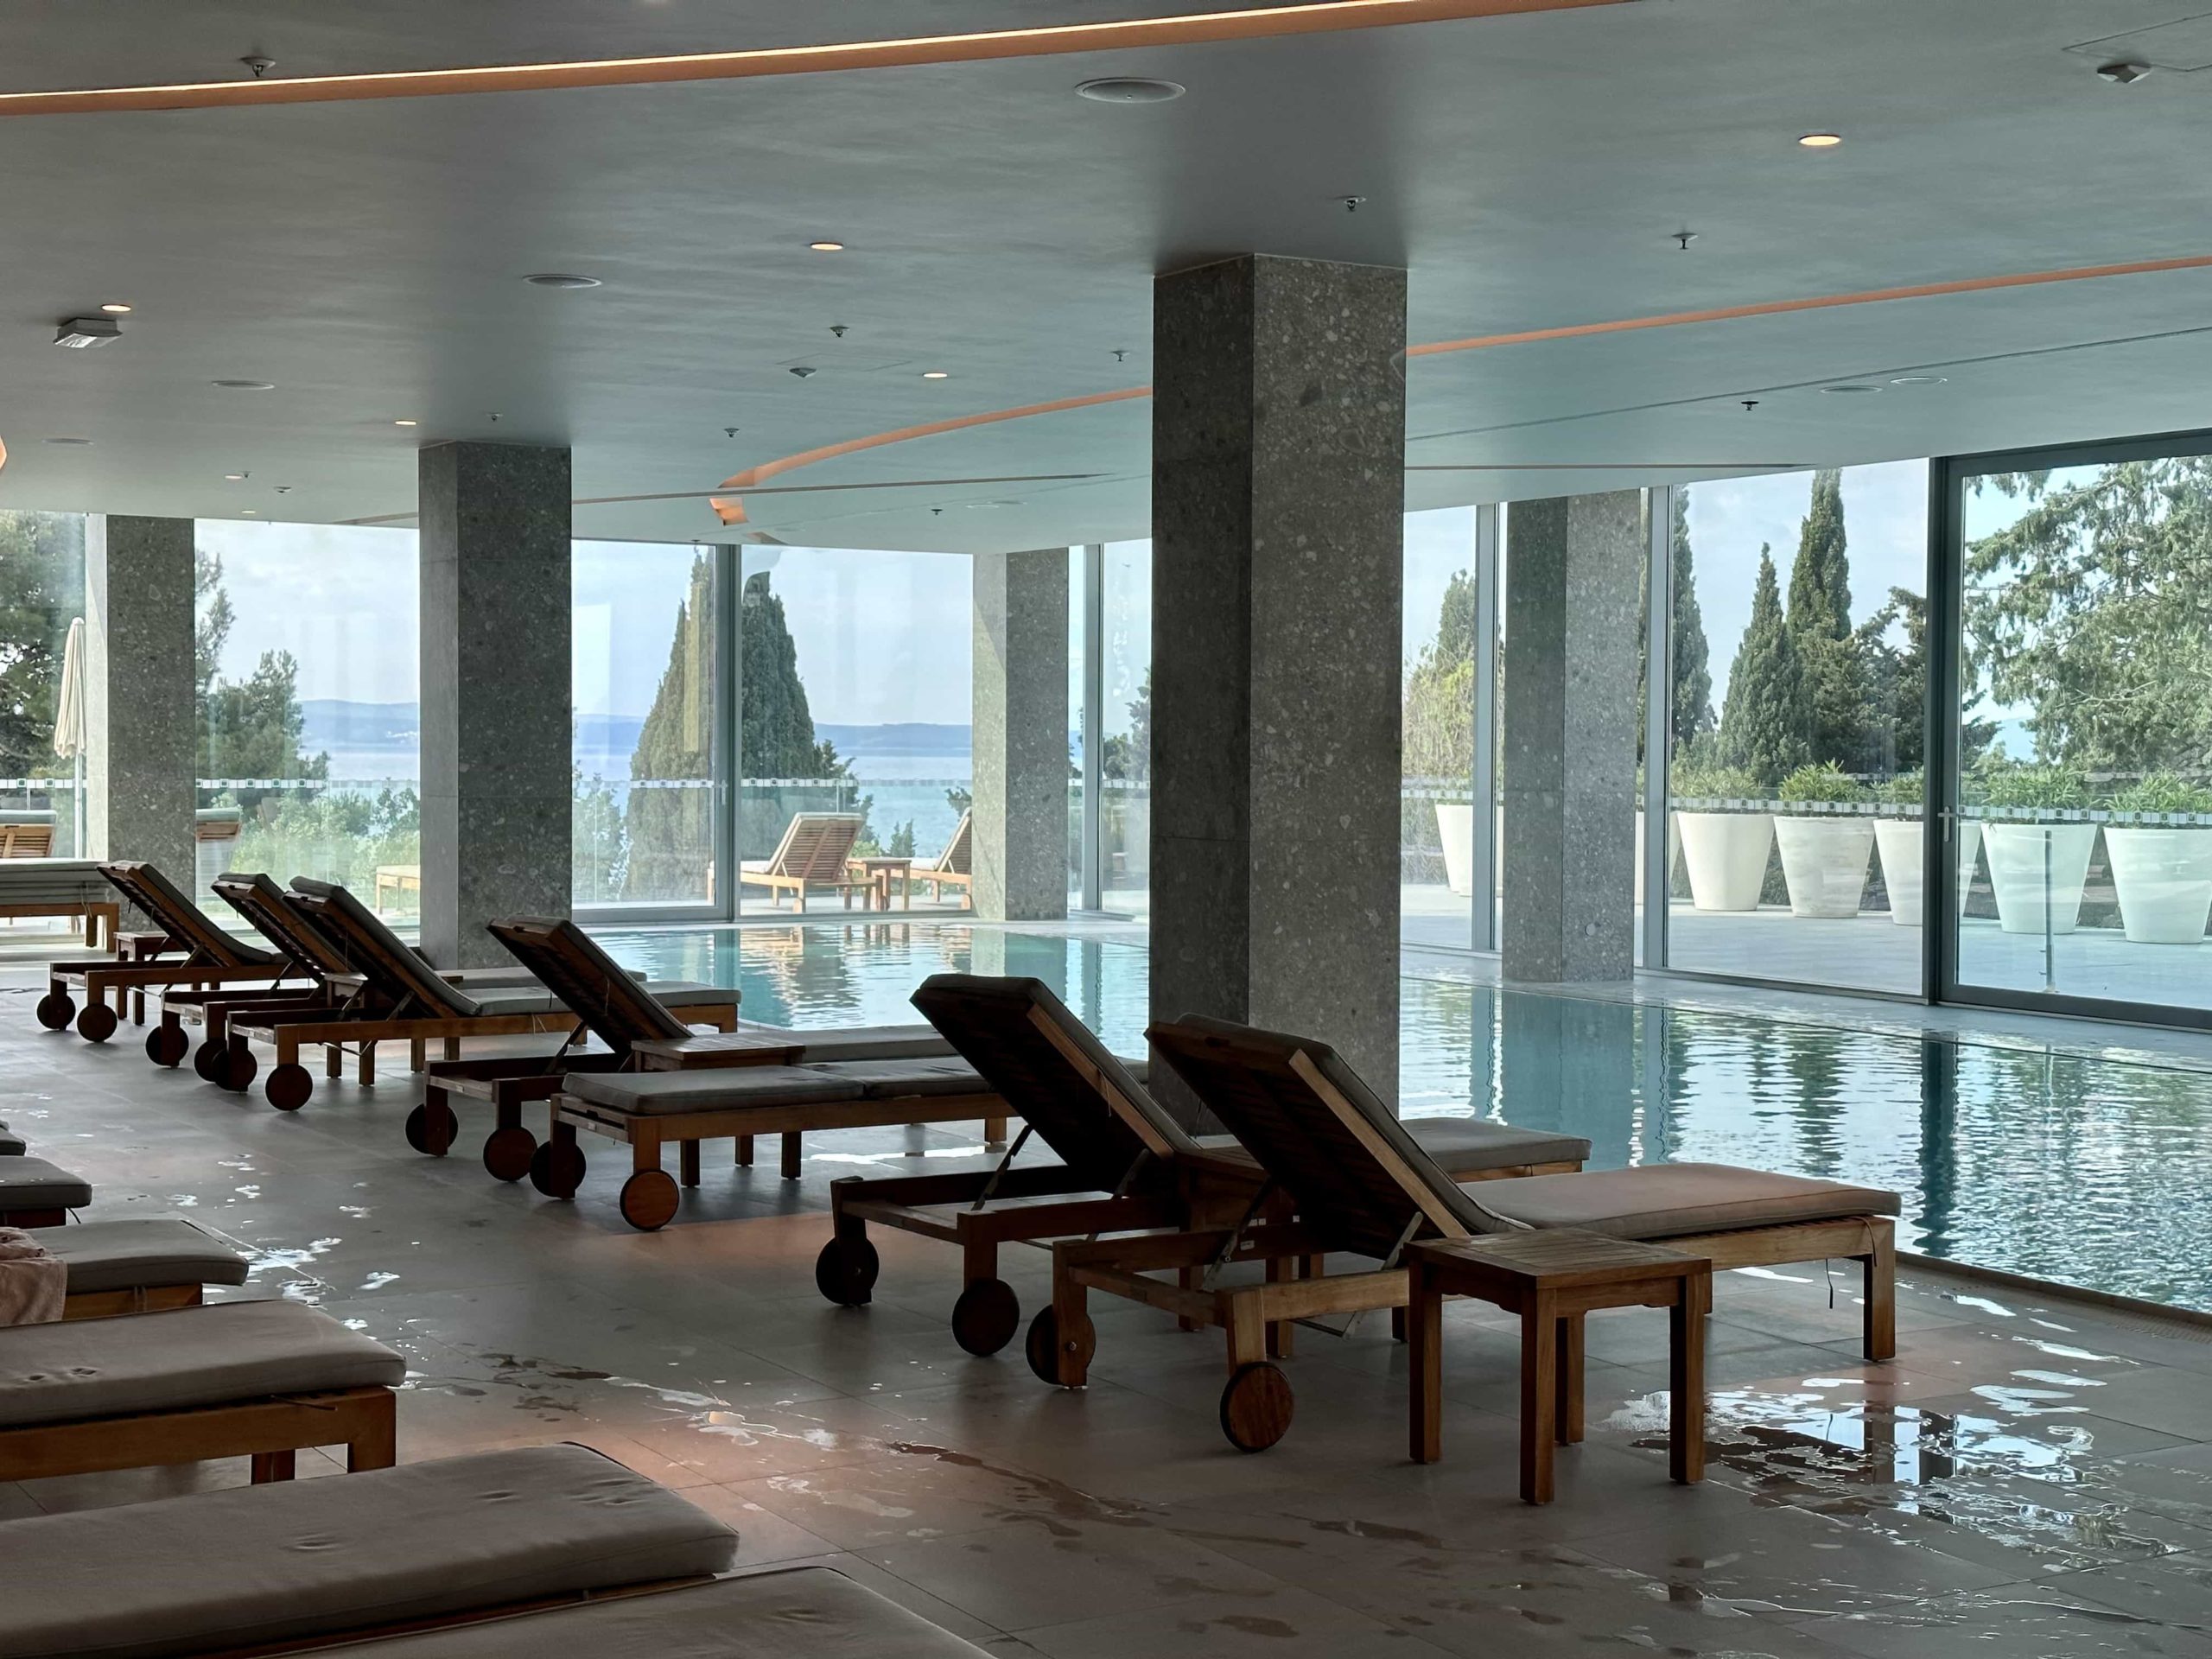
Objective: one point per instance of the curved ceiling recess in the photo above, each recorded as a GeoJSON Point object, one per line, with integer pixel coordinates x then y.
{"type": "Point", "coordinates": [1061, 40]}
{"type": "Point", "coordinates": [731, 511]}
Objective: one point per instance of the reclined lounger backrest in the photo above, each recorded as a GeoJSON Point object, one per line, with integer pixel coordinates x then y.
{"type": "Point", "coordinates": [569, 963]}
{"type": "Point", "coordinates": [177, 916]}
{"type": "Point", "coordinates": [1358, 1179]}
{"type": "Point", "coordinates": [379, 954]}
{"type": "Point", "coordinates": [263, 903]}
{"type": "Point", "coordinates": [1059, 1077]}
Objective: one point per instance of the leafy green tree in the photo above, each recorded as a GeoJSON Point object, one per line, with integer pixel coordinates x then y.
{"type": "Point", "coordinates": [1761, 721]}
{"type": "Point", "coordinates": [2094, 608]}
{"type": "Point", "coordinates": [669, 831]}
{"type": "Point", "coordinates": [41, 591]}
{"type": "Point", "coordinates": [1834, 677]}
{"type": "Point", "coordinates": [249, 729]}
{"type": "Point", "coordinates": [1127, 755]}
{"type": "Point", "coordinates": [599, 849]}
{"type": "Point", "coordinates": [1693, 670]}
{"type": "Point", "coordinates": [777, 727]}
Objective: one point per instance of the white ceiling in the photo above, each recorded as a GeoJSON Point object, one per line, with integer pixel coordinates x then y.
{"type": "Point", "coordinates": [366, 256]}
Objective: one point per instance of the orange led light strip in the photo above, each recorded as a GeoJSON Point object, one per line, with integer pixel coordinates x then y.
{"type": "Point", "coordinates": [1257, 22]}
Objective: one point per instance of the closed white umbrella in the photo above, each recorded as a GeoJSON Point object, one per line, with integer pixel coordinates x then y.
{"type": "Point", "coordinates": [69, 722]}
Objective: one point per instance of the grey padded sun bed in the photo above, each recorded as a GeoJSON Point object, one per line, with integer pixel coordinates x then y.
{"type": "Point", "coordinates": [266, 1568]}
{"type": "Point", "coordinates": [34, 1193]}
{"type": "Point", "coordinates": [801, 1612]}
{"type": "Point", "coordinates": [131, 1267]}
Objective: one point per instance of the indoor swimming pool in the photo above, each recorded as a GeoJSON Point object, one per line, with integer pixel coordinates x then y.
{"type": "Point", "coordinates": [2083, 1170]}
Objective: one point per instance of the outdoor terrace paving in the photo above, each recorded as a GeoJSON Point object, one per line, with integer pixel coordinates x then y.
{"type": "Point", "coordinates": [2033, 1476]}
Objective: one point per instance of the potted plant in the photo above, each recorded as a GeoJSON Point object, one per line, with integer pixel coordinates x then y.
{"type": "Point", "coordinates": [2038, 863]}
{"type": "Point", "coordinates": [1455, 831]}
{"type": "Point", "coordinates": [1901, 846]}
{"type": "Point", "coordinates": [1727, 835]}
{"type": "Point", "coordinates": [1823, 854]}
{"type": "Point", "coordinates": [2162, 859]}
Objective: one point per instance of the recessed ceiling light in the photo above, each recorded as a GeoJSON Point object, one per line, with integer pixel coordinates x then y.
{"type": "Point", "coordinates": [1820, 140]}
{"type": "Point", "coordinates": [827, 246]}
{"type": "Point", "coordinates": [1916, 380]}
{"type": "Point", "coordinates": [1129, 89]}
{"type": "Point", "coordinates": [116, 309]}
{"type": "Point", "coordinates": [1850, 386]}
{"type": "Point", "coordinates": [244, 386]}
{"type": "Point", "coordinates": [935, 374]}
{"type": "Point", "coordinates": [249, 512]}
{"type": "Point", "coordinates": [407, 422]}
{"type": "Point", "coordinates": [234, 478]}
{"type": "Point", "coordinates": [81, 444]}
{"type": "Point", "coordinates": [560, 279]}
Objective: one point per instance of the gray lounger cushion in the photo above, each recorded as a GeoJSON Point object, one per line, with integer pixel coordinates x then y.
{"type": "Point", "coordinates": [32, 1184]}
{"type": "Point", "coordinates": [184, 1357]}
{"type": "Point", "coordinates": [140, 1255]}
{"type": "Point", "coordinates": [1467, 1145]}
{"type": "Point", "coordinates": [534, 998]}
{"type": "Point", "coordinates": [723, 1089]}
{"type": "Point", "coordinates": [871, 1043]}
{"type": "Point", "coordinates": [12, 1146]}
{"type": "Point", "coordinates": [266, 1566]}
{"type": "Point", "coordinates": [1673, 1200]}
{"type": "Point", "coordinates": [902, 1079]}
{"type": "Point", "coordinates": [803, 1612]}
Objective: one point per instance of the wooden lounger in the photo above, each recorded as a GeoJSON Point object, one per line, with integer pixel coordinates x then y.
{"type": "Point", "coordinates": [429, 1546]}
{"type": "Point", "coordinates": [193, 953]}
{"type": "Point", "coordinates": [812, 854]}
{"type": "Point", "coordinates": [138, 1267]}
{"type": "Point", "coordinates": [236, 1379]}
{"type": "Point", "coordinates": [1360, 1185]}
{"type": "Point", "coordinates": [412, 1003]}
{"type": "Point", "coordinates": [1125, 1162]}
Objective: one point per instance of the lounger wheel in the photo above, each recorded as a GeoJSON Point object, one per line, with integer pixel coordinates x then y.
{"type": "Point", "coordinates": [648, 1199]}
{"type": "Point", "coordinates": [56, 1010]}
{"type": "Point", "coordinates": [288, 1087]}
{"type": "Point", "coordinates": [509, 1153]}
{"type": "Point", "coordinates": [424, 1119]}
{"type": "Point", "coordinates": [557, 1171]}
{"type": "Point", "coordinates": [97, 1023]}
{"type": "Point", "coordinates": [236, 1071]}
{"type": "Point", "coordinates": [207, 1061]}
{"type": "Point", "coordinates": [986, 1317]}
{"type": "Point", "coordinates": [1045, 1346]}
{"type": "Point", "coordinates": [167, 1046]}
{"type": "Point", "coordinates": [1255, 1406]}
{"type": "Point", "coordinates": [845, 1271]}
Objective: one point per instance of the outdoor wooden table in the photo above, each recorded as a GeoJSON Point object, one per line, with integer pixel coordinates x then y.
{"type": "Point", "coordinates": [1552, 1278]}
{"type": "Point", "coordinates": [877, 873]}
{"type": "Point", "coordinates": [396, 881]}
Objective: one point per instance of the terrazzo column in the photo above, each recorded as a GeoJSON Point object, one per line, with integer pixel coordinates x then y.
{"type": "Point", "coordinates": [1569, 754]}
{"type": "Point", "coordinates": [1278, 446]}
{"type": "Point", "coordinates": [496, 693]}
{"type": "Point", "coordinates": [140, 694]}
{"type": "Point", "coordinates": [1020, 722]}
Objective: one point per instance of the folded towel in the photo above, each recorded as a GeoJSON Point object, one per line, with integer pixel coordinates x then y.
{"type": "Point", "coordinates": [34, 1281]}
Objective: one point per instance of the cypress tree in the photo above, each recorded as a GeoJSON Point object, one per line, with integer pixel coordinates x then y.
{"type": "Point", "coordinates": [1693, 691]}
{"type": "Point", "coordinates": [1836, 692]}
{"type": "Point", "coordinates": [1820, 581]}
{"type": "Point", "coordinates": [1762, 722]}
{"type": "Point", "coordinates": [668, 829]}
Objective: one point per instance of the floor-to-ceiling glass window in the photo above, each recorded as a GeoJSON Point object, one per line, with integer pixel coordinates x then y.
{"type": "Point", "coordinates": [1125, 807]}
{"type": "Point", "coordinates": [1079, 744]}
{"type": "Point", "coordinates": [1438, 878]}
{"type": "Point", "coordinates": [41, 733]}
{"type": "Point", "coordinates": [2082, 727]}
{"type": "Point", "coordinates": [1800, 672]}
{"type": "Point", "coordinates": [643, 643]}
{"type": "Point", "coordinates": [855, 680]}
{"type": "Point", "coordinates": [308, 748]}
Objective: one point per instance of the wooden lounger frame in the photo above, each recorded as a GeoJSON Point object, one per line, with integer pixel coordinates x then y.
{"type": "Point", "coordinates": [1257, 1319]}
{"type": "Point", "coordinates": [270, 1430]}
{"type": "Point", "coordinates": [812, 854]}
{"type": "Point", "coordinates": [130, 1299]}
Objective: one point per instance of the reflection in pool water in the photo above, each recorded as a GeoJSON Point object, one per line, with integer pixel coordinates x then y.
{"type": "Point", "coordinates": [2085, 1171]}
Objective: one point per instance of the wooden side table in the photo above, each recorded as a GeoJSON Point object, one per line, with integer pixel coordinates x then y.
{"type": "Point", "coordinates": [1551, 1278]}
{"type": "Point", "coordinates": [876, 875]}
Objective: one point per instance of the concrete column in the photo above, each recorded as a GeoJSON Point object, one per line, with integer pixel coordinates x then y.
{"type": "Point", "coordinates": [1021, 735]}
{"type": "Point", "coordinates": [1278, 520]}
{"type": "Point", "coordinates": [139, 692]}
{"type": "Point", "coordinates": [496, 693]}
{"type": "Point", "coordinates": [1571, 595]}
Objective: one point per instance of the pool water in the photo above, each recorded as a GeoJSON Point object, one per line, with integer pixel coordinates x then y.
{"type": "Point", "coordinates": [2088, 1172]}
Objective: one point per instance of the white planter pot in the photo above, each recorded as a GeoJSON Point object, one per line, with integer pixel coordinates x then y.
{"type": "Point", "coordinates": [2016, 870]}
{"type": "Point", "coordinates": [1455, 828]}
{"type": "Point", "coordinates": [1824, 862]}
{"type": "Point", "coordinates": [2164, 877]}
{"type": "Point", "coordinates": [1902, 849]}
{"type": "Point", "coordinates": [1727, 854]}
{"type": "Point", "coordinates": [1969, 834]}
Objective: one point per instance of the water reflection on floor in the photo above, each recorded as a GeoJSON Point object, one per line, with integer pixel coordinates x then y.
{"type": "Point", "coordinates": [2084, 1171]}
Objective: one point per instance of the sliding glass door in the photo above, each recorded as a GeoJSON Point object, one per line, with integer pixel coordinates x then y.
{"type": "Point", "coordinates": [2078, 729]}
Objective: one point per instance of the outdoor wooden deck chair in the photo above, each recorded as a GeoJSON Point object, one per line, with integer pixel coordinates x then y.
{"type": "Point", "coordinates": [233, 1379]}
{"type": "Point", "coordinates": [420, 1551]}
{"type": "Point", "coordinates": [1360, 1185]}
{"type": "Point", "coordinates": [1125, 1162]}
{"type": "Point", "coordinates": [950, 868]}
{"type": "Point", "coordinates": [608, 1003]}
{"type": "Point", "coordinates": [812, 854]}
{"type": "Point", "coordinates": [196, 953]}
{"type": "Point", "coordinates": [410, 1002]}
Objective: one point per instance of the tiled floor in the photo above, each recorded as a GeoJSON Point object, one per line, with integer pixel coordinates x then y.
{"type": "Point", "coordinates": [2032, 1476]}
